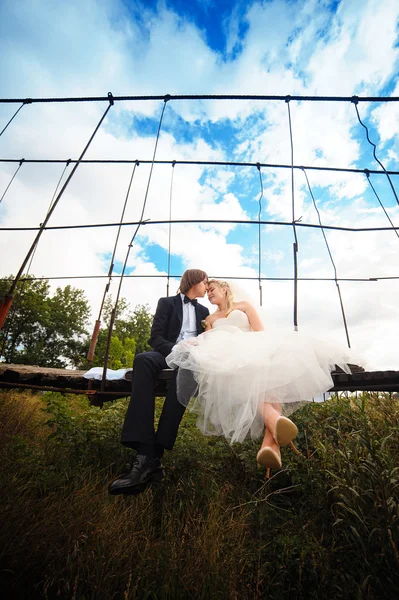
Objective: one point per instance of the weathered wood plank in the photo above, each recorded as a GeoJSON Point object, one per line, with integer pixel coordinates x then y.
{"type": "Point", "coordinates": [72, 381]}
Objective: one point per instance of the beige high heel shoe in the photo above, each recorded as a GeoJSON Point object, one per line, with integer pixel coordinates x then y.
{"type": "Point", "coordinates": [284, 432]}
{"type": "Point", "coordinates": [268, 458]}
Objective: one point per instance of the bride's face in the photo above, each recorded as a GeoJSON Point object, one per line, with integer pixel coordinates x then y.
{"type": "Point", "coordinates": [215, 294]}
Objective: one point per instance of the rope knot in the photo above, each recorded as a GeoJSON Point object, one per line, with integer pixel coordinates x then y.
{"type": "Point", "coordinates": [355, 100]}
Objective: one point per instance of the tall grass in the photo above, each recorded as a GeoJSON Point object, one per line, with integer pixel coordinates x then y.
{"type": "Point", "coordinates": [326, 526]}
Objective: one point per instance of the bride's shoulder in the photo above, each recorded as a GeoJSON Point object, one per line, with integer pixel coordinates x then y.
{"type": "Point", "coordinates": [243, 305]}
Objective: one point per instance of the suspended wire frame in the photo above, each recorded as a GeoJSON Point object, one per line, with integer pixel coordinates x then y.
{"type": "Point", "coordinates": [97, 325]}
{"type": "Point", "coordinates": [331, 259]}
{"type": "Point", "coordinates": [367, 173]}
{"type": "Point", "coordinates": [170, 226]}
{"type": "Point", "coordinates": [260, 237]}
{"type": "Point", "coordinates": [113, 313]}
{"type": "Point", "coordinates": [355, 102]}
{"type": "Point", "coordinates": [27, 278]}
{"type": "Point", "coordinates": [11, 180]}
{"type": "Point", "coordinates": [8, 298]}
{"type": "Point", "coordinates": [14, 115]}
{"type": "Point", "coordinates": [7, 301]}
{"type": "Point", "coordinates": [295, 244]}
{"type": "Point", "coordinates": [204, 163]}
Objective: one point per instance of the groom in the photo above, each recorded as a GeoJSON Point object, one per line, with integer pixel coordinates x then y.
{"type": "Point", "coordinates": [176, 318]}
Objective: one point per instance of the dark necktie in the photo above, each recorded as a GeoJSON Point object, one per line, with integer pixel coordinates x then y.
{"type": "Point", "coordinates": [187, 300]}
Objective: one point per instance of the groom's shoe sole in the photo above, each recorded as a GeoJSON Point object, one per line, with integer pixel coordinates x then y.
{"type": "Point", "coordinates": [133, 489]}
{"type": "Point", "coordinates": [284, 431]}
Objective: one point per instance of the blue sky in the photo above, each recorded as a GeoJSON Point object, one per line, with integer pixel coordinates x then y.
{"type": "Point", "coordinates": [312, 47]}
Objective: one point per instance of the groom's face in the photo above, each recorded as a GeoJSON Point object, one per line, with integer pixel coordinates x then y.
{"type": "Point", "coordinates": [200, 289]}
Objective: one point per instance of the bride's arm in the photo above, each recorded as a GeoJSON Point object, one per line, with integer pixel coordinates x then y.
{"type": "Point", "coordinates": [208, 322]}
{"type": "Point", "coordinates": [253, 317]}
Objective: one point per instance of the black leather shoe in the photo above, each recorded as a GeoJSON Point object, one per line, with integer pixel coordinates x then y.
{"type": "Point", "coordinates": [144, 471]}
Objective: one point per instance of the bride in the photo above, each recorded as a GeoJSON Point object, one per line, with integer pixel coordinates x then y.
{"type": "Point", "coordinates": [247, 377]}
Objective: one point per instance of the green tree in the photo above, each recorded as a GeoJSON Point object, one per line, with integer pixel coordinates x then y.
{"type": "Point", "coordinates": [42, 329]}
{"type": "Point", "coordinates": [137, 325]}
{"type": "Point", "coordinates": [131, 334]}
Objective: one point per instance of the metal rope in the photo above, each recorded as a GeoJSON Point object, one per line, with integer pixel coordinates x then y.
{"type": "Point", "coordinates": [170, 225]}
{"type": "Point", "coordinates": [97, 324]}
{"type": "Point", "coordinates": [8, 298]}
{"type": "Point", "coordinates": [26, 278]}
{"type": "Point", "coordinates": [374, 151]}
{"type": "Point", "coordinates": [381, 204]}
{"type": "Point", "coordinates": [295, 244]}
{"type": "Point", "coordinates": [11, 180]}
{"type": "Point", "coordinates": [332, 260]}
{"type": "Point", "coordinates": [205, 221]}
{"type": "Point", "coordinates": [178, 276]}
{"type": "Point", "coordinates": [207, 97]}
{"type": "Point", "coordinates": [208, 163]}
{"type": "Point", "coordinates": [259, 236]}
{"type": "Point", "coordinates": [113, 313]}
{"type": "Point", "coordinates": [13, 117]}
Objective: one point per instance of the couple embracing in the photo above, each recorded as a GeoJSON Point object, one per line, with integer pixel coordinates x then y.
{"type": "Point", "coordinates": [243, 377]}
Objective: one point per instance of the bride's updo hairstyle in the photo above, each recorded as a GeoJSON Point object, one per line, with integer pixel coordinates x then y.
{"type": "Point", "coordinates": [224, 286]}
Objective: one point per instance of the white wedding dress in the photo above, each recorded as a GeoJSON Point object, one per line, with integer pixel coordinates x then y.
{"type": "Point", "coordinates": [236, 370]}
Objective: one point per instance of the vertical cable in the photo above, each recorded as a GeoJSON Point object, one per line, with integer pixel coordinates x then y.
{"type": "Point", "coordinates": [97, 325]}
{"type": "Point", "coordinates": [355, 102]}
{"type": "Point", "coordinates": [113, 313]}
{"type": "Point", "coordinates": [12, 179]}
{"type": "Point", "coordinates": [367, 173]}
{"type": "Point", "coordinates": [11, 320]}
{"type": "Point", "coordinates": [260, 237]}
{"type": "Point", "coordinates": [170, 225]}
{"type": "Point", "coordinates": [331, 258]}
{"type": "Point", "coordinates": [295, 244]}
{"type": "Point", "coordinates": [14, 115]}
{"type": "Point", "coordinates": [8, 298]}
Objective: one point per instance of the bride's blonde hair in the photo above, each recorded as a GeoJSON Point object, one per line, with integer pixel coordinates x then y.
{"type": "Point", "coordinates": [224, 286]}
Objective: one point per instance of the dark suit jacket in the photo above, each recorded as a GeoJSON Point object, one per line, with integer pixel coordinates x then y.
{"type": "Point", "coordinates": [168, 321]}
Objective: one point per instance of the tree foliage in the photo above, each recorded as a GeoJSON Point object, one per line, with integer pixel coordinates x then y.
{"type": "Point", "coordinates": [42, 329]}
{"type": "Point", "coordinates": [130, 336]}
{"type": "Point", "coordinates": [51, 330]}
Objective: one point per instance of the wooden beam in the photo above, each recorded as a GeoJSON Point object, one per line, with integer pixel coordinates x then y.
{"type": "Point", "coordinates": [71, 381]}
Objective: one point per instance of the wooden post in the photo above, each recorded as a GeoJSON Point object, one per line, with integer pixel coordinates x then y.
{"type": "Point", "coordinates": [5, 307]}
{"type": "Point", "coordinates": [94, 339]}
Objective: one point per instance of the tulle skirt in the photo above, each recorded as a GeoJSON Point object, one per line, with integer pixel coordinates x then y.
{"type": "Point", "coordinates": [232, 373]}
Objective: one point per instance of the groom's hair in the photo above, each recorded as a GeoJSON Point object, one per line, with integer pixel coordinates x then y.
{"type": "Point", "coordinates": [189, 278]}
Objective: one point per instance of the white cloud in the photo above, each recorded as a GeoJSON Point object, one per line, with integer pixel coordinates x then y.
{"type": "Point", "coordinates": [92, 47]}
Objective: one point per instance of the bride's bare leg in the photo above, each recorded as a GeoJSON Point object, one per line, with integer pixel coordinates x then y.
{"type": "Point", "coordinates": [283, 429]}
{"type": "Point", "coordinates": [271, 414]}
{"type": "Point", "coordinates": [269, 454]}
{"type": "Point", "coordinates": [269, 441]}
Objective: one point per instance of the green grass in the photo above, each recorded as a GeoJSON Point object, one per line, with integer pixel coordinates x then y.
{"type": "Point", "coordinates": [326, 526]}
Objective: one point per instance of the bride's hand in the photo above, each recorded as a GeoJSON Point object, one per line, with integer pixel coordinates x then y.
{"type": "Point", "coordinates": [190, 342]}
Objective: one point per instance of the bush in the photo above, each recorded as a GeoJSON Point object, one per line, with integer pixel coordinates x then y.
{"type": "Point", "coordinates": [326, 526]}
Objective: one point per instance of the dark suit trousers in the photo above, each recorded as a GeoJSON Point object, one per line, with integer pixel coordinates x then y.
{"type": "Point", "coordinates": [138, 427]}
